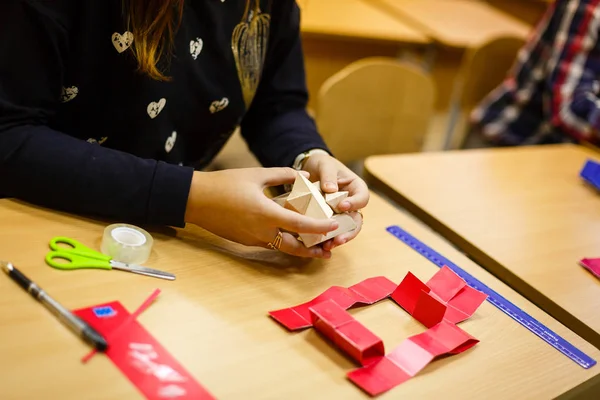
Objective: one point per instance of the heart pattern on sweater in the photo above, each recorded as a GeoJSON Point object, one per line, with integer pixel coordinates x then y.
{"type": "Point", "coordinates": [122, 42]}
{"type": "Point", "coordinates": [154, 108]}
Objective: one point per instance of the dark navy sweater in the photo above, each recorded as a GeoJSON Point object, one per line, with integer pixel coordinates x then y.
{"type": "Point", "coordinates": [82, 131]}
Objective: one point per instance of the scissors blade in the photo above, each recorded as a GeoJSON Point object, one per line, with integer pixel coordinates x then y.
{"type": "Point", "coordinates": [142, 270]}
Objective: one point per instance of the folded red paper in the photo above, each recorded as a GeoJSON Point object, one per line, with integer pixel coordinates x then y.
{"type": "Point", "coordinates": [369, 291]}
{"type": "Point", "coordinates": [439, 304]}
{"type": "Point", "coordinates": [592, 265]}
{"type": "Point", "coordinates": [344, 331]}
{"type": "Point", "coordinates": [139, 356]}
{"type": "Point", "coordinates": [410, 357]}
{"type": "Point", "coordinates": [444, 296]}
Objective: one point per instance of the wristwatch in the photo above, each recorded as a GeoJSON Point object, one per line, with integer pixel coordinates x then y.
{"type": "Point", "coordinates": [302, 157]}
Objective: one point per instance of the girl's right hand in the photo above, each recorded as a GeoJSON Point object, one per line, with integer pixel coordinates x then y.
{"type": "Point", "coordinates": [232, 204]}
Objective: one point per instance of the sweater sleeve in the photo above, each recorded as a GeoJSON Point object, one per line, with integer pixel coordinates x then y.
{"type": "Point", "coordinates": [277, 126]}
{"type": "Point", "coordinates": [43, 166]}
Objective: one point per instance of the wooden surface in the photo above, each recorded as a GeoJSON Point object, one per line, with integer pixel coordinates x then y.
{"type": "Point", "coordinates": [214, 320]}
{"type": "Point", "coordinates": [355, 20]}
{"type": "Point", "coordinates": [522, 213]}
{"type": "Point", "coordinates": [454, 23]}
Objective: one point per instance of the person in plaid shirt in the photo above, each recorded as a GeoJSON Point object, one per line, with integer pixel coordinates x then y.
{"type": "Point", "coordinates": [551, 94]}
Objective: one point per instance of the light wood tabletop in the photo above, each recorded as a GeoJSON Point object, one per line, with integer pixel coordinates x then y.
{"type": "Point", "coordinates": [454, 23]}
{"type": "Point", "coordinates": [354, 20]}
{"type": "Point", "coordinates": [523, 213]}
{"type": "Point", "coordinates": [213, 318]}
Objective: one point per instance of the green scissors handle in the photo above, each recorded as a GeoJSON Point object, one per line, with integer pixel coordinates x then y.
{"type": "Point", "coordinates": [72, 260]}
{"type": "Point", "coordinates": [76, 255]}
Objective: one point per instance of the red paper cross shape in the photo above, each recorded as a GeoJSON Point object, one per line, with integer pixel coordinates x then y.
{"type": "Point", "coordinates": [441, 303]}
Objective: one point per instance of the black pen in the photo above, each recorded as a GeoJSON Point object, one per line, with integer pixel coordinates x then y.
{"type": "Point", "coordinates": [76, 324]}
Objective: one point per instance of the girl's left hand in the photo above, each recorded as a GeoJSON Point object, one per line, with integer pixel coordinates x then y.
{"type": "Point", "coordinates": [335, 176]}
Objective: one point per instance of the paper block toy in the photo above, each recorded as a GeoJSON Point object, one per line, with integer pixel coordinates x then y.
{"type": "Point", "coordinates": [139, 356]}
{"type": "Point", "coordinates": [410, 357]}
{"type": "Point", "coordinates": [439, 304]}
{"type": "Point", "coordinates": [592, 265]}
{"type": "Point", "coordinates": [335, 323]}
{"type": "Point", "coordinates": [591, 173]}
{"type": "Point", "coordinates": [307, 198]}
{"type": "Point", "coordinates": [445, 296]}
{"type": "Point", "coordinates": [369, 291]}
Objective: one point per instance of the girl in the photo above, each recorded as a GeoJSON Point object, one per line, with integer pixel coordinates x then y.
{"type": "Point", "coordinates": [114, 107]}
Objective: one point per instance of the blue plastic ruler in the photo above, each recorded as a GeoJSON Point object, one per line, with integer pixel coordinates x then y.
{"type": "Point", "coordinates": [497, 300]}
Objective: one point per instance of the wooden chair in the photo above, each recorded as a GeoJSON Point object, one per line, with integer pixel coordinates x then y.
{"type": "Point", "coordinates": [375, 106]}
{"type": "Point", "coordinates": [483, 68]}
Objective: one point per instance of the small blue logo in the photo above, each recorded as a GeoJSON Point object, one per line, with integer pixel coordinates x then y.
{"type": "Point", "coordinates": [104, 312]}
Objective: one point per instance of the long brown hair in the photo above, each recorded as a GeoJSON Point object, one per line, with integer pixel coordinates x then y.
{"type": "Point", "coordinates": [154, 24]}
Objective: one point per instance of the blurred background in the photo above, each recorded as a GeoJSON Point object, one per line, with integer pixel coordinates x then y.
{"type": "Point", "coordinates": [401, 76]}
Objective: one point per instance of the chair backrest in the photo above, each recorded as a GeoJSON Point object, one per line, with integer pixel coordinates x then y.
{"type": "Point", "coordinates": [483, 68]}
{"type": "Point", "coordinates": [375, 106]}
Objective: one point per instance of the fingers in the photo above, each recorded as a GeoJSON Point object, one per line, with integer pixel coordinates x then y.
{"type": "Point", "coordinates": [348, 236]}
{"type": "Point", "coordinates": [328, 172]}
{"type": "Point", "coordinates": [296, 222]}
{"type": "Point", "coordinates": [280, 176]}
{"type": "Point", "coordinates": [293, 246]}
{"type": "Point", "coordinates": [358, 196]}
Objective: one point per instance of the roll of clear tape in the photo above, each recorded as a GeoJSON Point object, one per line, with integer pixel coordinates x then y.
{"type": "Point", "coordinates": [127, 243]}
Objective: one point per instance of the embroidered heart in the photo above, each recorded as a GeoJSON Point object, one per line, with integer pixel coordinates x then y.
{"type": "Point", "coordinates": [155, 108]}
{"type": "Point", "coordinates": [170, 142]}
{"type": "Point", "coordinates": [122, 42]}
{"type": "Point", "coordinates": [69, 94]}
{"type": "Point", "coordinates": [218, 105]}
{"type": "Point", "coordinates": [196, 47]}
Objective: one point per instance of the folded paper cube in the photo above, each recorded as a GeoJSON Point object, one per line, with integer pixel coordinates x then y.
{"type": "Point", "coordinates": [445, 296]}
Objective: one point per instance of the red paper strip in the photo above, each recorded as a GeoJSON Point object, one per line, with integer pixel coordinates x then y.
{"type": "Point", "coordinates": [141, 358]}
{"type": "Point", "coordinates": [369, 291]}
{"type": "Point", "coordinates": [592, 265]}
{"type": "Point", "coordinates": [133, 316]}
{"type": "Point", "coordinates": [344, 331]}
{"type": "Point", "coordinates": [410, 357]}
{"type": "Point", "coordinates": [445, 296]}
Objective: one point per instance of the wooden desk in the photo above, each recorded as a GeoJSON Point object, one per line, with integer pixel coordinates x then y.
{"type": "Point", "coordinates": [522, 213]}
{"type": "Point", "coordinates": [355, 20]}
{"type": "Point", "coordinates": [336, 33]}
{"type": "Point", "coordinates": [454, 23]}
{"type": "Point", "coordinates": [214, 320]}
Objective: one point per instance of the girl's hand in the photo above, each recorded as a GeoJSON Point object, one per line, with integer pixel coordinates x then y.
{"type": "Point", "coordinates": [335, 176]}
{"type": "Point", "coordinates": [232, 204]}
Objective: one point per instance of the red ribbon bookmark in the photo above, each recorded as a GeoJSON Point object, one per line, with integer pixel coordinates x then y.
{"type": "Point", "coordinates": [139, 356]}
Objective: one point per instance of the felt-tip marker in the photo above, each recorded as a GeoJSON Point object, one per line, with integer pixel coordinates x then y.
{"type": "Point", "coordinates": [76, 324]}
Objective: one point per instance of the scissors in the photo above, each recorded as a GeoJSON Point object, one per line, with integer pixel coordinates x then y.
{"type": "Point", "coordinates": [79, 256]}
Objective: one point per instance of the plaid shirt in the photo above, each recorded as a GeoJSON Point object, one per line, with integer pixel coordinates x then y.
{"type": "Point", "coordinates": [551, 93]}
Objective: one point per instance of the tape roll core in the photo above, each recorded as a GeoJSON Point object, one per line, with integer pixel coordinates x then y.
{"type": "Point", "coordinates": [127, 243]}
{"type": "Point", "coordinates": [128, 236]}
